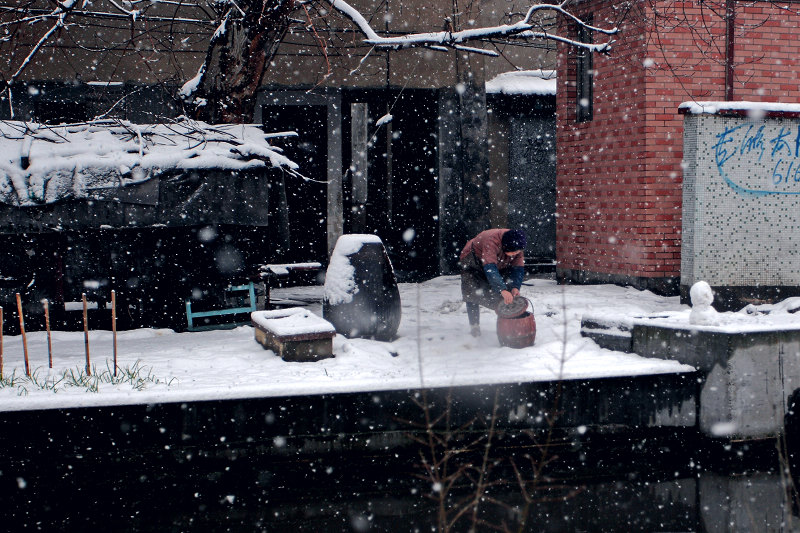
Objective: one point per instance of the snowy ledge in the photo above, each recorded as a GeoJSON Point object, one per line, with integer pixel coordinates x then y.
{"type": "Point", "coordinates": [231, 365]}
{"type": "Point", "coordinates": [523, 82]}
{"type": "Point", "coordinates": [753, 110]}
{"type": "Point", "coordinates": [43, 164]}
{"type": "Point", "coordinates": [432, 350]}
{"type": "Point", "coordinates": [731, 323]}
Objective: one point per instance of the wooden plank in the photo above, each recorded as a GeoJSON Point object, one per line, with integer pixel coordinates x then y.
{"type": "Point", "coordinates": [306, 348]}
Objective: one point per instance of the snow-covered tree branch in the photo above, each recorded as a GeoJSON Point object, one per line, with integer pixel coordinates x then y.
{"type": "Point", "coordinates": [238, 41]}
{"type": "Point", "coordinates": [526, 28]}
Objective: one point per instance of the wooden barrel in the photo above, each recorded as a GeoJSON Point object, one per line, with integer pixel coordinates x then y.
{"type": "Point", "coordinates": [517, 332]}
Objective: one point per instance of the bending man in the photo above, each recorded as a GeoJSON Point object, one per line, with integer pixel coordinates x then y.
{"type": "Point", "coordinates": [492, 269]}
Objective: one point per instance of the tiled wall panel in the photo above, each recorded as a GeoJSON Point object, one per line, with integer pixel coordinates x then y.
{"type": "Point", "coordinates": [741, 201]}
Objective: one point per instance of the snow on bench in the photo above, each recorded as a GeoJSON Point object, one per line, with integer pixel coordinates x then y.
{"type": "Point", "coordinates": [294, 334]}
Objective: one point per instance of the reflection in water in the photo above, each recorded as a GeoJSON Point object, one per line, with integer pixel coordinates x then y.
{"type": "Point", "coordinates": [242, 491]}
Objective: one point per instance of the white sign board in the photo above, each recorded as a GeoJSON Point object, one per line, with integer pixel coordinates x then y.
{"type": "Point", "coordinates": [741, 201]}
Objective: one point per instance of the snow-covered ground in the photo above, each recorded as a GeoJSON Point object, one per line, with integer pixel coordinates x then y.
{"type": "Point", "coordinates": [433, 349]}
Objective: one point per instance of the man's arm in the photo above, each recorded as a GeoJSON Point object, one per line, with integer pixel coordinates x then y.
{"type": "Point", "coordinates": [493, 276]}
{"type": "Point", "coordinates": [497, 284]}
{"type": "Point", "coordinates": [517, 275]}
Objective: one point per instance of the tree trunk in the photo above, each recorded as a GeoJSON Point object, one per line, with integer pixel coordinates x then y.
{"type": "Point", "coordinates": [237, 59]}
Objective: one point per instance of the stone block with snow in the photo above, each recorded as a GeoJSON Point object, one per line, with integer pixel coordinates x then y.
{"type": "Point", "coordinates": [749, 366]}
{"type": "Point", "coordinates": [361, 294]}
{"type": "Point", "coordinates": [294, 334]}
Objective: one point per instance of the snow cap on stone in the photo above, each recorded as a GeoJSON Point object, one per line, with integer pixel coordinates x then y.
{"type": "Point", "coordinates": [340, 283]}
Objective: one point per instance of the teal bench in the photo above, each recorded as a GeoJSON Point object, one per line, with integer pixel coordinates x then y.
{"type": "Point", "coordinates": [192, 316]}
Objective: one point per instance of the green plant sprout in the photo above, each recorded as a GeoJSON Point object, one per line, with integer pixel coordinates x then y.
{"type": "Point", "coordinates": [138, 376]}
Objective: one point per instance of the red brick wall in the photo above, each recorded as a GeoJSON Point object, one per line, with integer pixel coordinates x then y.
{"type": "Point", "coordinates": [766, 56]}
{"type": "Point", "coordinates": [600, 176]}
{"type": "Point", "coordinates": [619, 175]}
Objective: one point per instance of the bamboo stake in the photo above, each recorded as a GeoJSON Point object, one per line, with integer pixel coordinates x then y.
{"type": "Point", "coordinates": [47, 326]}
{"type": "Point", "coordinates": [114, 326]}
{"type": "Point", "coordinates": [1, 343]}
{"type": "Point", "coordinates": [24, 338]}
{"type": "Point", "coordinates": [86, 334]}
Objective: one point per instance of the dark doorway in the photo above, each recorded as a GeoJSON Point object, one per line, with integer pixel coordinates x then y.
{"type": "Point", "coordinates": [304, 200]}
{"type": "Point", "coordinates": [403, 199]}
{"type": "Point", "coordinates": [532, 184]}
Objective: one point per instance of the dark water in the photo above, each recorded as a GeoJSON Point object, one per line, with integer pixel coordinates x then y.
{"type": "Point", "coordinates": [240, 487]}
{"type": "Point", "coordinates": [357, 462]}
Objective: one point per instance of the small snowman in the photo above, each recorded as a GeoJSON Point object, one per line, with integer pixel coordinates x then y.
{"type": "Point", "coordinates": [702, 313]}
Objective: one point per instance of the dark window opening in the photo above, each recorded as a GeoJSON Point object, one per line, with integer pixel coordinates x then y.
{"type": "Point", "coordinates": [585, 79]}
{"type": "Point", "coordinates": [66, 110]}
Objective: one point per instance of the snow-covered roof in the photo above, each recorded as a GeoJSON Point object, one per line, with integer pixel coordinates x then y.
{"type": "Point", "coordinates": [42, 164]}
{"type": "Point", "coordinates": [755, 109]}
{"type": "Point", "coordinates": [523, 82]}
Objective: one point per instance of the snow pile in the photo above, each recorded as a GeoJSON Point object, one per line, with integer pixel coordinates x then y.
{"type": "Point", "coordinates": [702, 313]}
{"type": "Point", "coordinates": [41, 164]}
{"type": "Point", "coordinates": [789, 305]}
{"type": "Point", "coordinates": [523, 82]}
{"type": "Point", "coordinates": [340, 285]}
{"type": "Point", "coordinates": [780, 316]}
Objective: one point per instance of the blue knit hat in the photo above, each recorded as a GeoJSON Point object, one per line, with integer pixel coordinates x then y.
{"type": "Point", "coordinates": [513, 240]}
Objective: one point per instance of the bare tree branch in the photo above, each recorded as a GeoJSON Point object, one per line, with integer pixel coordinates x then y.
{"type": "Point", "coordinates": [237, 40]}
{"type": "Point", "coordinates": [523, 29]}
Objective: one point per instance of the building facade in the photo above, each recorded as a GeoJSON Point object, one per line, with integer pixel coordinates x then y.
{"type": "Point", "coordinates": [405, 144]}
{"type": "Point", "coordinates": [620, 133]}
